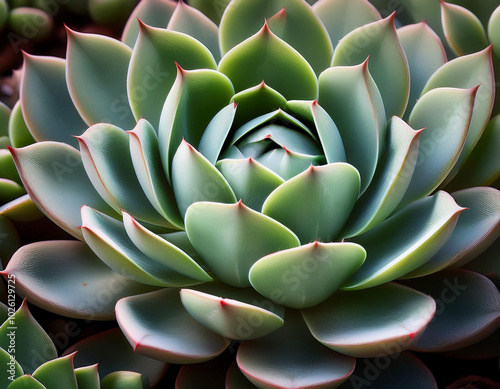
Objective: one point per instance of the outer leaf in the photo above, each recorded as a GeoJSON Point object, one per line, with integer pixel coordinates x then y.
{"type": "Point", "coordinates": [394, 316]}
{"type": "Point", "coordinates": [479, 68]}
{"type": "Point", "coordinates": [26, 382]}
{"type": "Point", "coordinates": [463, 30]}
{"type": "Point", "coordinates": [108, 238]}
{"type": "Point", "coordinates": [87, 377]}
{"type": "Point", "coordinates": [231, 238]}
{"type": "Point", "coordinates": [10, 190]}
{"type": "Point", "coordinates": [162, 251]}
{"type": "Point", "coordinates": [352, 99]}
{"type": "Point", "coordinates": [122, 380]}
{"type": "Point", "coordinates": [322, 199]}
{"type": "Point", "coordinates": [275, 362]}
{"type": "Point", "coordinates": [170, 333]}
{"type": "Point", "coordinates": [445, 113]}
{"type": "Point", "coordinates": [193, 101]}
{"type": "Point", "coordinates": [13, 368]}
{"type": "Point", "coordinates": [340, 17]}
{"type": "Point", "coordinates": [251, 181]}
{"type": "Point", "coordinates": [145, 153]}
{"type": "Point", "coordinates": [406, 240]}
{"type": "Point", "coordinates": [106, 157]}
{"type": "Point", "coordinates": [212, 8]}
{"type": "Point", "coordinates": [155, 13]}
{"type": "Point", "coordinates": [291, 277]}
{"type": "Point", "coordinates": [235, 379]}
{"type": "Point", "coordinates": [231, 316]}
{"type": "Point", "coordinates": [111, 350]}
{"type": "Point", "coordinates": [57, 373]}
{"type": "Point", "coordinates": [256, 101]}
{"type": "Point", "coordinates": [97, 89]}
{"type": "Point", "coordinates": [425, 54]}
{"type": "Point", "coordinates": [388, 64]}
{"type": "Point", "coordinates": [46, 103]}
{"type": "Point", "coordinates": [21, 209]}
{"type": "Point", "coordinates": [264, 56]}
{"type": "Point", "coordinates": [194, 179]}
{"type": "Point", "coordinates": [293, 21]}
{"type": "Point", "coordinates": [65, 277]}
{"type": "Point", "coordinates": [9, 241]}
{"type": "Point", "coordinates": [152, 69]}
{"type": "Point", "coordinates": [391, 179]}
{"type": "Point", "coordinates": [19, 133]}
{"type": "Point", "coordinates": [403, 370]}
{"type": "Point", "coordinates": [32, 345]}
{"type": "Point", "coordinates": [54, 176]}
{"type": "Point", "coordinates": [476, 229]}
{"type": "Point", "coordinates": [5, 113]}
{"type": "Point", "coordinates": [458, 291]}
{"type": "Point", "coordinates": [192, 22]}
{"type": "Point", "coordinates": [482, 167]}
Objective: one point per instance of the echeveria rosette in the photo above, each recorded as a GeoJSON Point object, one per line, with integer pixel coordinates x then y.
{"type": "Point", "coordinates": [255, 182]}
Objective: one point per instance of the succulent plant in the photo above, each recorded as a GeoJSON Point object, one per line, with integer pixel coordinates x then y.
{"type": "Point", "coordinates": [30, 358]}
{"type": "Point", "coordinates": [279, 180]}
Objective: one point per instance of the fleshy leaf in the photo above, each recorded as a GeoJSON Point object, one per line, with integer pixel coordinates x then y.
{"type": "Point", "coordinates": [108, 238]}
{"type": "Point", "coordinates": [158, 326]}
{"type": "Point", "coordinates": [195, 98]}
{"type": "Point", "coordinates": [264, 56]}
{"type": "Point", "coordinates": [329, 136]}
{"type": "Point", "coordinates": [10, 190]}
{"type": "Point", "coordinates": [394, 316]}
{"type": "Point", "coordinates": [26, 382]}
{"type": "Point", "coordinates": [232, 237]}
{"type": "Point", "coordinates": [106, 157]}
{"type": "Point", "coordinates": [479, 70]}
{"type": "Point", "coordinates": [400, 370]}
{"type": "Point", "coordinates": [155, 13]}
{"type": "Point", "coordinates": [231, 312]}
{"type": "Point", "coordinates": [19, 133]}
{"type": "Point", "coordinates": [13, 368]}
{"type": "Point", "coordinates": [152, 69]}
{"type": "Point", "coordinates": [406, 240]}
{"type": "Point", "coordinates": [9, 240]}
{"type": "Point", "coordinates": [349, 95]}
{"type": "Point", "coordinates": [425, 54]}
{"type": "Point", "coordinates": [212, 8]}
{"type": "Point", "coordinates": [21, 209]}
{"type": "Point", "coordinates": [46, 104]}
{"type": "Point", "coordinates": [194, 179]}
{"type": "Point", "coordinates": [291, 277]}
{"type": "Point", "coordinates": [162, 251]}
{"type": "Point", "coordinates": [293, 21]}
{"type": "Point", "coordinates": [322, 198]}
{"type": "Point", "coordinates": [476, 229]}
{"type": "Point", "coordinates": [463, 30]}
{"type": "Point", "coordinates": [256, 101]}
{"type": "Point", "coordinates": [87, 377]}
{"type": "Point", "coordinates": [251, 181]}
{"type": "Point", "coordinates": [97, 89]}
{"type": "Point", "coordinates": [494, 31]}
{"type": "Point", "coordinates": [482, 167]}
{"type": "Point", "coordinates": [57, 373]}
{"type": "Point", "coordinates": [274, 361]}
{"type": "Point", "coordinates": [5, 113]}
{"type": "Point", "coordinates": [194, 23]}
{"type": "Point", "coordinates": [31, 349]}
{"type": "Point", "coordinates": [145, 154]}
{"type": "Point", "coordinates": [445, 114]}
{"type": "Point", "coordinates": [122, 380]}
{"type": "Point", "coordinates": [458, 291]}
{"type": "Point", "coordinates": [235, 379]}
{"type": "Point", "coordinates": [65, 277]}
{"type": "Point", "coordinates": [112, 352]}
{"type": "Point", "coordinates": [391, 179]}
{"type": "Point", "coordinates": [215, 135]}
{"type": "Point", "coordinates": [54, 176]}
{"type": "Point", "coordinates": [340, 17]}
{"type": "Point", "coordinates": [388, 64]}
